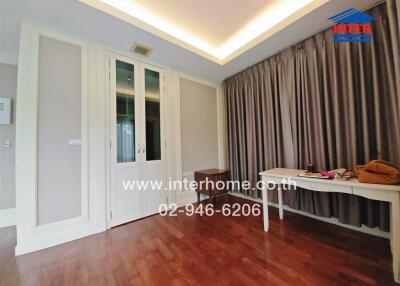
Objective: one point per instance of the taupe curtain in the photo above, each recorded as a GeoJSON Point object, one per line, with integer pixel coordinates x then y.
{"type": "Point", "coordinates": [330, 104]}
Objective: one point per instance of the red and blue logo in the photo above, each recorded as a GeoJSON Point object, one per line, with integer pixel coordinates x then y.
{"type": "Point", "coordinates": [352, 26]}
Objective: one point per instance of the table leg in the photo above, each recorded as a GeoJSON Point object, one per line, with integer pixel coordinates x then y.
{"type": "Point", "coordinates": [265, 207]}
{"type": "Point", "coordinates": [391, 227]}
{"type": "Point", "coordinates": [280, 201]}
{"type": "Point", "coordinates": [395, 235]}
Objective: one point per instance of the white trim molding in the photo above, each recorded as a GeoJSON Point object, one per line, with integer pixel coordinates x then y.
{"type": "Point", "coordinates": [222, 135]}
{"type": "Point", "coordinates": [56, 233]}
{"type": "Point", "coordinates": [7, 217]}
{"type": "Point", "coordinates": [30, 235]}
{"type": "Point", "coordinates": [9, 59]}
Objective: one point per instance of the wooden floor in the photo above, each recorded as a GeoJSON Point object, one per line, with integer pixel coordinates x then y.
{"type": "Point", "coordinates": [198, 250]}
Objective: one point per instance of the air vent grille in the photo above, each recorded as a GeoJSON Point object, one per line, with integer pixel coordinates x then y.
{"type": "Point", "coordinates": [141, 49]}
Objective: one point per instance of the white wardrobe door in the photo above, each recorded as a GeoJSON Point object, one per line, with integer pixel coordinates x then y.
{"type": "Point", "coordinates": [126, 198]}
{"type": "Point", "coordinates": [137, 155]}
{"type": "Point", "coordinates": [153, 138]}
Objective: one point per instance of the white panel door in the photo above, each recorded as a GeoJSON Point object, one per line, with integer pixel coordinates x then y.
{"type": "Point", "coordinates": [153, 142]}
{"type": "Point", "coordinates": [125, 106]}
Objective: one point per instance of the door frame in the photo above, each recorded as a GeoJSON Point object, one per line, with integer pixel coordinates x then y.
{"type": "Point", "coordinates": [108, 57]}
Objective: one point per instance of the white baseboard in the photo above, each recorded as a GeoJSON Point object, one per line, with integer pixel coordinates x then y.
{"type": "Point", "coordinates": [364, 229]}
{"type": "Point", "coordinates": [7, 217]}
{"type": "Point", "coordinates": [187, 201]}
{"type": "Point", "coordinates": [57, 233]}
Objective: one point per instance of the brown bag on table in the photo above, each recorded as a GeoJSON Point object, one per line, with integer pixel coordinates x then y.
{"type": "Point", "coordinates": [378, 172]}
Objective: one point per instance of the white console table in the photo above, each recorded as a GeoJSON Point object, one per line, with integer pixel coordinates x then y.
{"type": "Point", "coordinates": [387, 193]}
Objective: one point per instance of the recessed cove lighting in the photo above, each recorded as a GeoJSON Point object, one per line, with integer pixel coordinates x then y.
{"type": "Point", "coordinates": [254, 27]}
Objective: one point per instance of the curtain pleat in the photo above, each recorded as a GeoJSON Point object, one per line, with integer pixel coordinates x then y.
{"type": "Point", "coordinates": [330, 104]}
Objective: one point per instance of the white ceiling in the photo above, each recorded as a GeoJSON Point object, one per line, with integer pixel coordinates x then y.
{"type": "Point", "coordinates": [81, 20]}
{"type": "Point", "coordinates": [216, 30]}
{"type": "Point", "coordinates": [212, 20]}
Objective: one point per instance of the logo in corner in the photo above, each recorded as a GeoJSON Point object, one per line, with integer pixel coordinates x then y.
{"type": "Point", "coordinates": [352, 26]}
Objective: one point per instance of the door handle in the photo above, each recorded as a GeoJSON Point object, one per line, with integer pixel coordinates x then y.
{"type": "Point", "coordinates": [138, 150]}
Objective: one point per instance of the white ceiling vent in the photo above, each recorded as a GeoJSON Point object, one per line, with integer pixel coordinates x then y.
{"type": "Point", "coordinates": [141, 49]}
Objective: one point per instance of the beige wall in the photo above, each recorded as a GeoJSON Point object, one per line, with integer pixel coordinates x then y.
{"type": "Point", "coordinates": [8, 88]}
{"type": "Point", "coordinates": [59, 164]}
{"type": "Point", "coordinates": [199, 126]}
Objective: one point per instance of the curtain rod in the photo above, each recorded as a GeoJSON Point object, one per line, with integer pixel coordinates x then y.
{"type": "Point", "coordinates": [305, 39]}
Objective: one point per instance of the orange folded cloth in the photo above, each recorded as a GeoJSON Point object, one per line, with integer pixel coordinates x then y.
{"type": "Point", "coordinates": [378, 172]}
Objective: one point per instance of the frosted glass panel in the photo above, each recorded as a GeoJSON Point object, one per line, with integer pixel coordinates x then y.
{"type": "Point", "coordinates": [152, 104]}
{"type": "Point", "coordinates": [125, 88]}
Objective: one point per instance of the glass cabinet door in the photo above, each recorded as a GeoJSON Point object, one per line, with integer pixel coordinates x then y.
{"type": "Point", "coordinates": [152, 115]}
{"type": "Point", "coordinates": [125, 112]}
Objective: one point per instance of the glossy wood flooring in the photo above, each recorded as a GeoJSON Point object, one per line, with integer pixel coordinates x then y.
{"type": "Point", "coordinates": [198, 250]}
